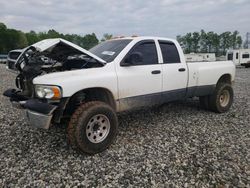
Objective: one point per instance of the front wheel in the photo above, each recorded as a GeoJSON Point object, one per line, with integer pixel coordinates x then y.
{"type": "Point", "coordinates": [93, 127]}
{"type": "Point", "coordinates": [222, 98]}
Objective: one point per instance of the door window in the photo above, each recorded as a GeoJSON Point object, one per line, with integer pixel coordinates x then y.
{"type": "Point", "coordinates": [169, 52]}
{"type": "Point", "coordinates": [147, 50]}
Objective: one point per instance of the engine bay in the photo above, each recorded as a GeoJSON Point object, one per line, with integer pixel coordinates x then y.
{"type": "Point", "coordinates": [57, 58]}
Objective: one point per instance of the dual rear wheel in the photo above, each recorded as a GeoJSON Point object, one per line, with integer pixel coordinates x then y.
{"type": "Point", "coordinates": [221, 100]}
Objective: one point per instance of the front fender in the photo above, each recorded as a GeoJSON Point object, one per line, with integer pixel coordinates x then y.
{"type": "Point", "coordinates": [73, 81]}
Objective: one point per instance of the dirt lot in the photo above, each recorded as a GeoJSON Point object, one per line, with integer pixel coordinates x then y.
{"type": "Point", "coordinates": [176, 144]}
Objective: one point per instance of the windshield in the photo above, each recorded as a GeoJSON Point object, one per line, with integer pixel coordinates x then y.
{"type": "Point", "coordinates": [109, 50]}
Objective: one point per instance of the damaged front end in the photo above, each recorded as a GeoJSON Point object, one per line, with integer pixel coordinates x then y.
{"type": "Point", "coordinates": [38, 113]}
{"type": "Point", "coordinates": [46, 57]}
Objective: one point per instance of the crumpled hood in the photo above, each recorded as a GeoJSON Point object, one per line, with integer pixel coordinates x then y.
{"type": "Point", "coordinates": [58, 47]}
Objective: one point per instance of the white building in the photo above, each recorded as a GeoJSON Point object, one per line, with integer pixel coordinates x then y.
{"type": "Point", "coordinates": [239, 57]}
{"type": "Point", "coordinates": [197, 57]}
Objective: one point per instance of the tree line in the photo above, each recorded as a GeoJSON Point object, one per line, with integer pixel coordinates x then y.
{"type": "Point", "coordinates": [203, 42]}
{"type": "Point", "coordinates": [14, 39]}
{"type": "Point", "coordinates": [210, 42]}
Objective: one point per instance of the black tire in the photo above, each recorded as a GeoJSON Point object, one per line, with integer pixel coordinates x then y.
{"type": "Point", "coordinates": [217, 101]}
{"type": "Point", "coordinates": [204, 103]}
{"type": "Point", "coordinates": [247, 66]}
{"type": "Point", "coordinates": [81, 121]}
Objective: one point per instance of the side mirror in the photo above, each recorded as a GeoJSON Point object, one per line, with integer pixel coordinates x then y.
{"type": "Point", "coordinates": [133, 59]}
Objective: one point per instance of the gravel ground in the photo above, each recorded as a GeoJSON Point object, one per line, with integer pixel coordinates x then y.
{"type": "Point", "coordinates": [174, 145]}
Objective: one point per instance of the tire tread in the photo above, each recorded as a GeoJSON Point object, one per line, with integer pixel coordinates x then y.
{"type": "Point", "coordinates": [80, 112]}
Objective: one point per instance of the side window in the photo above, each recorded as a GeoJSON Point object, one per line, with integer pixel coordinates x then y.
{"type": "Point", "coordinates": [169, 52]}
{"type": "Point", "coordinates": [245, 56]}
{"type": "Point", "coordinates": [148, 52]}
{"type": "Point", "coordinates": [237, 55]}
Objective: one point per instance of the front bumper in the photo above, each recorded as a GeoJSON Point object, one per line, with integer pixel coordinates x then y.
{"type": "Point", "coordinates": [39, 114]}
{"type": "Point", "coordinates": [39, 120]}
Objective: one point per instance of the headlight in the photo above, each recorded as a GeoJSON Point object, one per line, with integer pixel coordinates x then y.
{"type": "Point", "coordinates": [48, 92]}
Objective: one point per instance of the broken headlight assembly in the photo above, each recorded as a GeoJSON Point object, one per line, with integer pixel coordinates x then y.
{"type": "Point", "coordinates": [48, 92]}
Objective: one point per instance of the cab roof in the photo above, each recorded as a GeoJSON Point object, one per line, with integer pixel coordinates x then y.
{"type": "Point", "coordinates": [144, 38]}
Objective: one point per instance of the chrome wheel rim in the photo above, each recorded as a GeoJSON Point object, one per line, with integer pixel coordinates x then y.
{"type": "Point", "coordinates": [224, 98]}
{"type": "Point", "coordinates": [97, 128]}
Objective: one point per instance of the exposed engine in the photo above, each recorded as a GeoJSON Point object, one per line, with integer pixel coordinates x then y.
{"type": "Point", "coordinates": [33, 63]}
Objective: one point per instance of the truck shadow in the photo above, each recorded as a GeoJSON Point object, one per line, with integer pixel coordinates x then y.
{"type": "Point", "coordinates": [171, 107]}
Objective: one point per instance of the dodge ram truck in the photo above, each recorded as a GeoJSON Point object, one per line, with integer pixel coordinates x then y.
{"type": "Point", "coordinates": [58, 81]}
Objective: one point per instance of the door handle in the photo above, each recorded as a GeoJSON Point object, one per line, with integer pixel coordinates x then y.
{"type": "Point", "coordinates": [182, 69]}
{"type": "Point", "coordinates": [156, 72]}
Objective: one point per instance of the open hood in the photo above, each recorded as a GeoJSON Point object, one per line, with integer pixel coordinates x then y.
{"type": "Point", "coordinates": [58, 48]}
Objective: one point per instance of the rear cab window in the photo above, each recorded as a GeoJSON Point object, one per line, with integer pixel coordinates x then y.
{"type": "Point", "coordinates": [169, 52]}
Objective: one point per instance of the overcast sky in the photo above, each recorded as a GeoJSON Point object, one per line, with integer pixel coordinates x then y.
{"type": "Point", "coordinates": [166, 18]}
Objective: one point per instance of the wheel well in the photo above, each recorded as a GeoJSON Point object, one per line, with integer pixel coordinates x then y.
{"type": "Point", "coordinates": [226, 78]}
{"type": "Point", "coordinates": [90, 94]}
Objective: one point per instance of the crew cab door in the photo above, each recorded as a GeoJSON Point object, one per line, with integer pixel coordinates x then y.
{"type": "Point", "coordinates": [140, 82]}
{"type": "Point", "coordinates": [175, 73]}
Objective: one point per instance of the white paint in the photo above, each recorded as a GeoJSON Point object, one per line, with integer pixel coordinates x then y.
{"type": "Point", "coordinates": [208, 73]}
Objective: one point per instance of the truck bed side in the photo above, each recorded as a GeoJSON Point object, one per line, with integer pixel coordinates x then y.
{"type": "Point", "coordinates": [203, 76]}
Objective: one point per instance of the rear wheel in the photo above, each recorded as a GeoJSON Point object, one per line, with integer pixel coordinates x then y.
{"type": "Point", "coordinates": [93, 127]}
{"type": "Point", "coordinates": [222, 98]}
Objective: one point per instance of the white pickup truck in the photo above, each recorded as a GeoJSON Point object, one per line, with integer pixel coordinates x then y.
{"type": "Point", "coordinates": [87, 88]}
